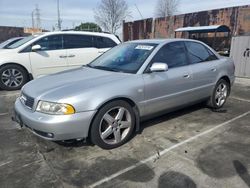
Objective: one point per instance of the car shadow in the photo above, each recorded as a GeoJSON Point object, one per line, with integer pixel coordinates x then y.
{"type": "Point", "coordinates": [75, 143]}
{"type": "Point", "coordinates": [242, 172]}
{"type": "Point", "coordinates": [170, 115]}
{"type": "Point", "coordinates": [146, 123]}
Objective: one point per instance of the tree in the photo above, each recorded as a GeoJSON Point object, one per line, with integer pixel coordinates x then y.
{"type": "Point", "coordinates": [109, 14]}
{"type": "Point", "coordinates": [88, 26]}
{"type": "Point", "coordinates": [166, 8]}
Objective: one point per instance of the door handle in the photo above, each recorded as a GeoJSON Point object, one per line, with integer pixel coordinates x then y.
{"type": "Point", "coordinates": [62, 56]}
{"type": "Point", "coordinates": [71, 55]}
{"type": "Point", "coordinates": [186, 76]}
{"type": "Point", "coordinates": [101, 52]}
{"type": "Point", "coordinates": [214, 70]}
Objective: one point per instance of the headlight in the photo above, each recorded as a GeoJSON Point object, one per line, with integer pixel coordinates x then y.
{"type": "Point", "coordinates": [55, 108]}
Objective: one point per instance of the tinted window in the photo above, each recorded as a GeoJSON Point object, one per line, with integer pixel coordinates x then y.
{"type": "Point", "coordinates": [9, 43]}
{"type": "Point", "coordinates": [12, 42]}
{"type": "Point", "coordinates": [21, 42]}
{"type": "Point", "coordinates": [199, 53]}
{"type": "Point", "coordinates": [78, 41]}
{"type": "Point", "coordinates": [53, 42]}
{"type": "Point", "coordinates": [174, 54]}
{"type": "Point", "coordinates": [103, 42]}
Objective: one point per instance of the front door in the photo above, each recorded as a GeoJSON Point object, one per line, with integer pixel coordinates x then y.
{"type": "Point", "coordinates": [165, 90]}
{"type": "Point", "coordinates": [51, 58]}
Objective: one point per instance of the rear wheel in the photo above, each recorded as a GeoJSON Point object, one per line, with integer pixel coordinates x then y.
{"type": "Point", "coordinates": [220, 94]}
{"type": "Point", "coordinates": [12, 77]}
{"type": "Point", "coordinates": [113, 125]}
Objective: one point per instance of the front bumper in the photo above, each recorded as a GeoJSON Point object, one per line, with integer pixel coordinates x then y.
{"type": "Point", "coordinates": [54, 127]}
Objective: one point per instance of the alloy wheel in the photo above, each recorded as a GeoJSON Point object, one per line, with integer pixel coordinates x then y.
{"type": "Point", "coordinates": [12, 77]}
{"type": "Point", "coordinates": [221, 94]}
{"type": "Point", "coordinates": [115, 125]}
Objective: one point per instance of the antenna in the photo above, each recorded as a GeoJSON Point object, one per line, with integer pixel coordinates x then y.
{"type": "Point", "coordinates": [59, 21]}
{"type": "Point", "coordinates": [139, 11]}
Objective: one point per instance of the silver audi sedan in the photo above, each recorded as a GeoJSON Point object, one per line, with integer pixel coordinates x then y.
{"type": "Point", "coordinates": [106, 99]}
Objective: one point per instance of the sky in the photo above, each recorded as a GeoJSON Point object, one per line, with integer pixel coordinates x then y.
{"type": "Point", "coordinates": [73, 12]}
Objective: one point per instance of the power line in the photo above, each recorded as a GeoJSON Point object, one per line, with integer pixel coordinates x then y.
{"type": "Point", "coordinates": [138, 11]}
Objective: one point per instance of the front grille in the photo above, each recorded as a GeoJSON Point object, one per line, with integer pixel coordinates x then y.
{"type": "Point", "coordinates": [27, 100]}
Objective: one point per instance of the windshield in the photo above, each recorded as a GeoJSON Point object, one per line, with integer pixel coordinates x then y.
{"type": "Point", "coordinates": [127, 57]}
{"type": "Point", "coordinates": [3, 44]}
{"type": "Point", "coordinates": [21, 42]}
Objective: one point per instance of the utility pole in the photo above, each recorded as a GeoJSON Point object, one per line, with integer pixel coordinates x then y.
{"type": "Point", "coordinates": [32, 19]}
{"type": "Point", "coordinates": [59, 21]}
{"type": "Point", "coordinates": [38, 19]}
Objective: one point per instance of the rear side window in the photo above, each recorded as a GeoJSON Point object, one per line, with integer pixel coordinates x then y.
{"type": "Point", "coordinates": [173, 54]}
{"type": "Point", "coordinates": [198, 53]}
{"type": "Point", "coordinates": [53, 42]}
{"type": "Point", "coordinates": [78, 41]}
{"type": "Point", "coordinates": [104, 42]}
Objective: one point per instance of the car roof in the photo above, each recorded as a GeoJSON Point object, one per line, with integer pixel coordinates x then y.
{"type": "Point", "coordinates": [79, 32]}
{"type": "Point", "coordinates": [161, 41]}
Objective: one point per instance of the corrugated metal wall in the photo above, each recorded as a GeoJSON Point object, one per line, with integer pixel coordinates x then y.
{"type": "Point", "coordinates": [240, 52]}
{"type": "Point", "coordinates": [236, 18]}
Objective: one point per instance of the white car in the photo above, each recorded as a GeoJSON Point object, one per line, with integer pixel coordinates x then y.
{"type": "Point", "coordinates": [48, 53]}
{"type": "Point", "coordinates": [9, 42]}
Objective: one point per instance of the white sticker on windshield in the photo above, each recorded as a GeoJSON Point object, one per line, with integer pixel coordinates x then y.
{"type": "Point", "coordinates": [144, 47]}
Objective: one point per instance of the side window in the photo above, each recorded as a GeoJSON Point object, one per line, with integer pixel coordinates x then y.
{"type": "Point", "coordinates": [174, 54]}
{"type": "Point", "coordinates": [104, 42]}
{"type": "Point", "coordinates": [199, 53]}
{"type": "Point", "coordinates": [78, 41]}
{"type": "Point", "coordinates": [53, 42]}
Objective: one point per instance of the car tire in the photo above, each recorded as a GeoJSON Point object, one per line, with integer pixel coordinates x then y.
{"type": "Point", "coordinates": [220, 94]}
{"type": "Point", "coordinates": [113, 125]}
{"type": "Point", "coordinates": [12, 77]}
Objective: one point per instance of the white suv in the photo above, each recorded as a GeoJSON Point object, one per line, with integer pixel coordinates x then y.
{"type": "Point", "coordinates": [48, 53]}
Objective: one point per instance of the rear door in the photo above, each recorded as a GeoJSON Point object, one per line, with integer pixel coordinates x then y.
{"type": "Point", "coordinates": [51, 58]}
{"type": "Point", "coordinates": [81, 49]}
{"type": "Point", "coordinates": [204, 66]}
{"type": "Point", "coordinates": [164, 90]}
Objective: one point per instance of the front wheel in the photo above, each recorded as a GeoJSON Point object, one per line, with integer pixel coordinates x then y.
{"type": "Point", "coordinates": [113, 125]}
{"type": "Point", "coordinates": [12, 77]}
{"type": "Point", "coordinates": [220, 94]}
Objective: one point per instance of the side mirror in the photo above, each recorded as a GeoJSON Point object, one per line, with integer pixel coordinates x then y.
{"type": "Point", "coordinates": [159, 67]}
{"type": "Point", "coordinates": [36, 47]}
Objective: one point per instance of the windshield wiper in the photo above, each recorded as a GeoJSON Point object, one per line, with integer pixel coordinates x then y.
{"type": "Point", "coordinates": [106, 68]}
{"type": "Point", "coordinates": [87, 65]}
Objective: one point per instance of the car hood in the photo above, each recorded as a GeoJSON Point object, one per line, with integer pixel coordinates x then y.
{"type": "Point", "coordinates": [65, 84]}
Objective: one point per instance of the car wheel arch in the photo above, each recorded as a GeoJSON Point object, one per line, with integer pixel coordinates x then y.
{"type": "Point", "coordinates": [30, 76]}
{"type": "Point", "coordinates": [129, 101]}
{"type": "Point", "coordinates": [226, 78]}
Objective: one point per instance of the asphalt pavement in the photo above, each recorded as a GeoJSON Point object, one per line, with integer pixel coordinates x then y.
{"type": "Point", "coordinates": [193, 147]}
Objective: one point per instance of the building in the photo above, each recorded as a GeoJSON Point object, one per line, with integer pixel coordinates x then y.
{"type": "Point", "coordinates": [7, 32]}
{"type": "Point", "coordinates": [236, 18]}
